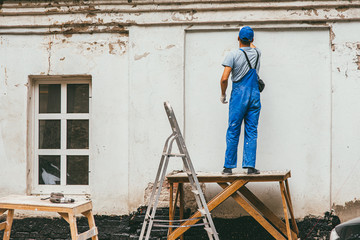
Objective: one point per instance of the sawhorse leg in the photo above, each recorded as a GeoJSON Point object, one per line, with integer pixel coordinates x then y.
{"type": "Point", "coordinates": [172, 204]}
{"type": "Point", "coordinates": [287, 206]}
{"type": "Point", "coordinates": [71, 219]}
{"type": "Point", "coordinates": [7, 225]}
{"type": "Point", "coordinates": [91, 221]}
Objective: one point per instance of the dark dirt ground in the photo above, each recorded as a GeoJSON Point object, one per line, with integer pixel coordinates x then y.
{"type": "Point", "coordinates": [128, 227]}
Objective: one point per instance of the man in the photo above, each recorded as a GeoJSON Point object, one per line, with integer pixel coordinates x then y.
{"type": "Point", "coordinates": [244, 64]}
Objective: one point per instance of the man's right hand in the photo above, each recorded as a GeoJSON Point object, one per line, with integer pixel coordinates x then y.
{"type": "Point", "coordinates": [223, 99]}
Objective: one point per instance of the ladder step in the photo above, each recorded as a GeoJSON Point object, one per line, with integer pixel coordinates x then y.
{"type": "Point", "coordinates": [174, 155]}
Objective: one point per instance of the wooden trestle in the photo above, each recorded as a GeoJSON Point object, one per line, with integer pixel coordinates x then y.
{"type": "Point", "coordinates": [68, 211]}
{"type": "Point", "coordinates": [234, 186]}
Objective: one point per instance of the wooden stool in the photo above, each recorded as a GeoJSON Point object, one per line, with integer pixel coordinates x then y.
{"type": "Point", "coordinates": [234, 186]}
{"type": "Point", "coordinates": [66, 210]}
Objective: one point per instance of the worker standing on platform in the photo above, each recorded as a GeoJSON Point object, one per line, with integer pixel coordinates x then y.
{"type": "Point", "coordinates": [244, 64]}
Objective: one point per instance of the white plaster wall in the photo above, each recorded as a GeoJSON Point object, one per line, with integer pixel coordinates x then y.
{"type": "Point", "coordinates": [346, 110]}
{"type": "Point", "coordinates": [302, 127]}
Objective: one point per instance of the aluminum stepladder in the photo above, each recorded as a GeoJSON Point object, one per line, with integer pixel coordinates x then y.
{"type": "Point", "coordinates": [150, 220]}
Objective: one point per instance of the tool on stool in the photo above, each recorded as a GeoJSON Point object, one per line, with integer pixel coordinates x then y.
{"type": "Point", "coordinates": [59, 198]}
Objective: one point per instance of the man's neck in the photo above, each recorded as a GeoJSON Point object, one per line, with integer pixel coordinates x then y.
{"type": "Point", "coordinates": [244, 45]}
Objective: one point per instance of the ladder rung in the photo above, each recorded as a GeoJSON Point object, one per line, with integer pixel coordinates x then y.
{"type": "Point", "coordinates": [176, 226]}
{"type": "Point", "coordinates": [175, 155]}
{"type": "Point", "coordinates": [179, 220]}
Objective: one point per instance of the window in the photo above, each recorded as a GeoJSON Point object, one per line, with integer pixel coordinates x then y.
{"type": "Point", "coordinates": [61, 134]}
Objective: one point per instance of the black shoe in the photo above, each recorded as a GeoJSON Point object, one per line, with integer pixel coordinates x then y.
{"type": "Point", "coordinates": [253, 171]}
{"type": "Point", "coordinates": [227, 171]}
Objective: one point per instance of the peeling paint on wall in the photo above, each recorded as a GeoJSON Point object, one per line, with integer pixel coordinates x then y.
{"type": "Point", "coordinates": [3, 81]}
{"type": "Point", "coordinates": [184, 16]}
{"type": "Point", "coordinates": [332, 37]}
{"type": "Point", "coordinates": [311, 12]}
{"type": "Point", "coordinates": [358, 55]}
{"type": "Point", "coordinates": [189, 198]}
{"type": "Point", "coordinates": [170, 46]}
{"type": "Point", "coordinates": [49, 56]}
{"type": "Point", "coordinates": [138, 57]}
{"type": "Point", "coordinates": [342, 9]}
{"type": "Point", "coordinates": [348, 210]}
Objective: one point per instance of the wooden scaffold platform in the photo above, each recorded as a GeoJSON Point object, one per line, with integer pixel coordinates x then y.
{"type": "Point", "coordinates": [235, 186]}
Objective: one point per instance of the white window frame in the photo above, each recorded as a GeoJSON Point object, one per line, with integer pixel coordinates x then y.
{"type": "Point", "coordinates": [34, 151]}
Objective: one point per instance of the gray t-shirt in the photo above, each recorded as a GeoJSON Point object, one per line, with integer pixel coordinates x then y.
{"type": "Point", "coordinates": [237, 61]}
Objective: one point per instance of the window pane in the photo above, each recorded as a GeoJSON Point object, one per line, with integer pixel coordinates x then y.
{"type": "Point", "coordinates": [77, 134]}
{"type": "Point", "coordinates": [49, 98]}
{"type": "Point", "coordinates": [77, 168]}
{"type": "Point", "coordinates": [49, 170]}
{"type": "Point", "coordinates": [78, 98]}
{"type": "Point", "coordinates": [49, 134]}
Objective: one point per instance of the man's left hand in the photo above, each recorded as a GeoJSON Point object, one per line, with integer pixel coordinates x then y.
{"type": "Point", "coordinates": [223, 99]}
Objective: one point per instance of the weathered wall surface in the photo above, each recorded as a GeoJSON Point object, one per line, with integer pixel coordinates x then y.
{"type": "Point", "coordinates": [142, 53]}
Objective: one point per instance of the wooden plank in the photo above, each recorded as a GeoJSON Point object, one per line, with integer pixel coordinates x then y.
{"type": "Point", "coordinates": [171, 206]}
{"type": "Point", "coordinates": [35, 208]}
{"type": "Point", "coordinates": [34, 203]}
{"type": "Point", "coordinates": [266, 176]}
{"type": "Point", "coordinates": [90, 217]}
{"type": "Point", "coordinates": [213, 203]}
{"type": "Point", "coordinates": [9, 221]}
{"type": "Point", "coordinates": [293, 222]}
{"type": "Point", "coordinates": [289, 206]}
{"type": "Point", "coordinates": [266, 212]}
{"type": "Point", "coordinates": [88, 234]}
{"type": "Point", "coordinates": [255, 214]}
{"type": "Point", "coordinates": [288, 230]}
{"type": "Point", "coordinates": [182, 204]}
{"type": "Point", "coordinates": [2, 225]}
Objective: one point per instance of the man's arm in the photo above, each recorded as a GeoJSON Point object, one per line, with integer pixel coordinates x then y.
{"type": "Point", "coordinates": [224, 83]}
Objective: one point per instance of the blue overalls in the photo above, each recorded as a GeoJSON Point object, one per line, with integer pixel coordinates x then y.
{"type": "Point", "coordinates": [244, 105]}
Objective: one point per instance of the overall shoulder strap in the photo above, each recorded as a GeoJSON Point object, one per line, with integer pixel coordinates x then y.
{"type": "Point", "coordinates": [247, 59]}
{"type": "Point", "coordinates": [257, 58]}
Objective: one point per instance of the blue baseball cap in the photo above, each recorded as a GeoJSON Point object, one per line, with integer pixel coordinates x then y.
{"type": "Point", "coordinates": [246, 34]}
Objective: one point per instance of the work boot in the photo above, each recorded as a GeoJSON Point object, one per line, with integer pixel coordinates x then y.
{"type": "Point", "coordinates": [227, 171]}
{"type": "Point", "coordinates": [253, 171]}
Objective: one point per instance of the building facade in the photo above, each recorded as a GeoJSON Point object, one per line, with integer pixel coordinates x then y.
{"type": "Point", "coordinates": [82, 86]}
